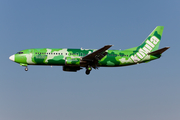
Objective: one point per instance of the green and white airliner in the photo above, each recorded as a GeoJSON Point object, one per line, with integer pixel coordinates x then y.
{"type": "Point", "coordinates": [76, 59]}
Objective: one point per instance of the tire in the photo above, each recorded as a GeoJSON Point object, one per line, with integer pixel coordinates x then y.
{"type": "Point", "coordinates": [26, 69]}
{"type": "Point", "coordinates": [87, 72]}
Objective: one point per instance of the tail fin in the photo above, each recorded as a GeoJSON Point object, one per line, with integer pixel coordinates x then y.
{"type": "Point", "coordinates": [150, 44]}
{"type": "Point", "coordinates": [153, 40]}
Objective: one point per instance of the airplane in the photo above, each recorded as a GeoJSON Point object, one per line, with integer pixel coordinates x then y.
{"type": "Point", "coordinates": [76, 59]}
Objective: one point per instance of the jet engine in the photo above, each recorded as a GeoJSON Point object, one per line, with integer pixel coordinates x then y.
{"type": "Point", "coordinates": [71, 68]}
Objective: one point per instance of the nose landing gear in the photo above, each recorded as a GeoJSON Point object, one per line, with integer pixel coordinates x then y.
{"type": "Point", "coordinates": [25, 65]}
{"type": "Point", "coordinates": [26, 69]}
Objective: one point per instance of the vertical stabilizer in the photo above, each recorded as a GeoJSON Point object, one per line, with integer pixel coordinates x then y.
{"type": "Point", "coordinates": [150, 44]}
{"type": "Point", "coordinates": [153, 40]}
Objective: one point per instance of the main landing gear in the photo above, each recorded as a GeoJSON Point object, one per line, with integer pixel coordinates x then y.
{"type": "Point", "coordinates": [26, 69]}
{"type": "Point", "coordinates": [88, 69]}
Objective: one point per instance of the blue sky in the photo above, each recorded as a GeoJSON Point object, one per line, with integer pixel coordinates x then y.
{"type": "Point", "coordinates": [145, 91]}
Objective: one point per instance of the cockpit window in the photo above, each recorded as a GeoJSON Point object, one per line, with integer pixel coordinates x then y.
{"type": "Point", "coordinates": [19, 53]}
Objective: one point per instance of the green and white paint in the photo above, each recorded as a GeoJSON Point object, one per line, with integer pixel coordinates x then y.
{"type": "Point", "coordinates": [75, 59]}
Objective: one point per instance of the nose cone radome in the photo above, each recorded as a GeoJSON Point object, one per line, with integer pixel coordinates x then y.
{"type": "Point", "coordinates": [11, 57]}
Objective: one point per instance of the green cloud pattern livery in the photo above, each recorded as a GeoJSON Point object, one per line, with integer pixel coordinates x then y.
{"type": "Point", "coordinates": [75, 59]}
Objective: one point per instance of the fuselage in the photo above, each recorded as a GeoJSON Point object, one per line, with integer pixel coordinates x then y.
{"type": "Point", "coordinates": [50, 56]}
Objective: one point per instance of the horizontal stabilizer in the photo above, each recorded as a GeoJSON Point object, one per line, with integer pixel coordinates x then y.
{"type": "Point", "coordinates": [158, 52]}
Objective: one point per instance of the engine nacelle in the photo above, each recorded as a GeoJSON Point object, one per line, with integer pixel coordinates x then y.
{"type": "Point", "coordinates": [71, 68]}
{"type": "Point", "coordinates": [72, 61]}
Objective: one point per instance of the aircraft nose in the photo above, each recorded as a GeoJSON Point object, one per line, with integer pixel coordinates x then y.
{"type": "Point", "coordinates": [11, 57]}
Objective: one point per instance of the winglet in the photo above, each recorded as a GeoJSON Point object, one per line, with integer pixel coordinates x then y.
{"type": "Point", "coordinates": [158, 52]}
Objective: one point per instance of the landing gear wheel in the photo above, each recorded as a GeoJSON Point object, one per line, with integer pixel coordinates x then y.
{"type": "Point", "coordinates": [88, 69]}
{"type": "Point", "coordinates": [26, 69]}
{"type": "Point", "coordinates": [88, 72]}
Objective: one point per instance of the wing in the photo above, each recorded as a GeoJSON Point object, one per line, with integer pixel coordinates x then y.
{"type": "Point", "coordinates": [97, 55]}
